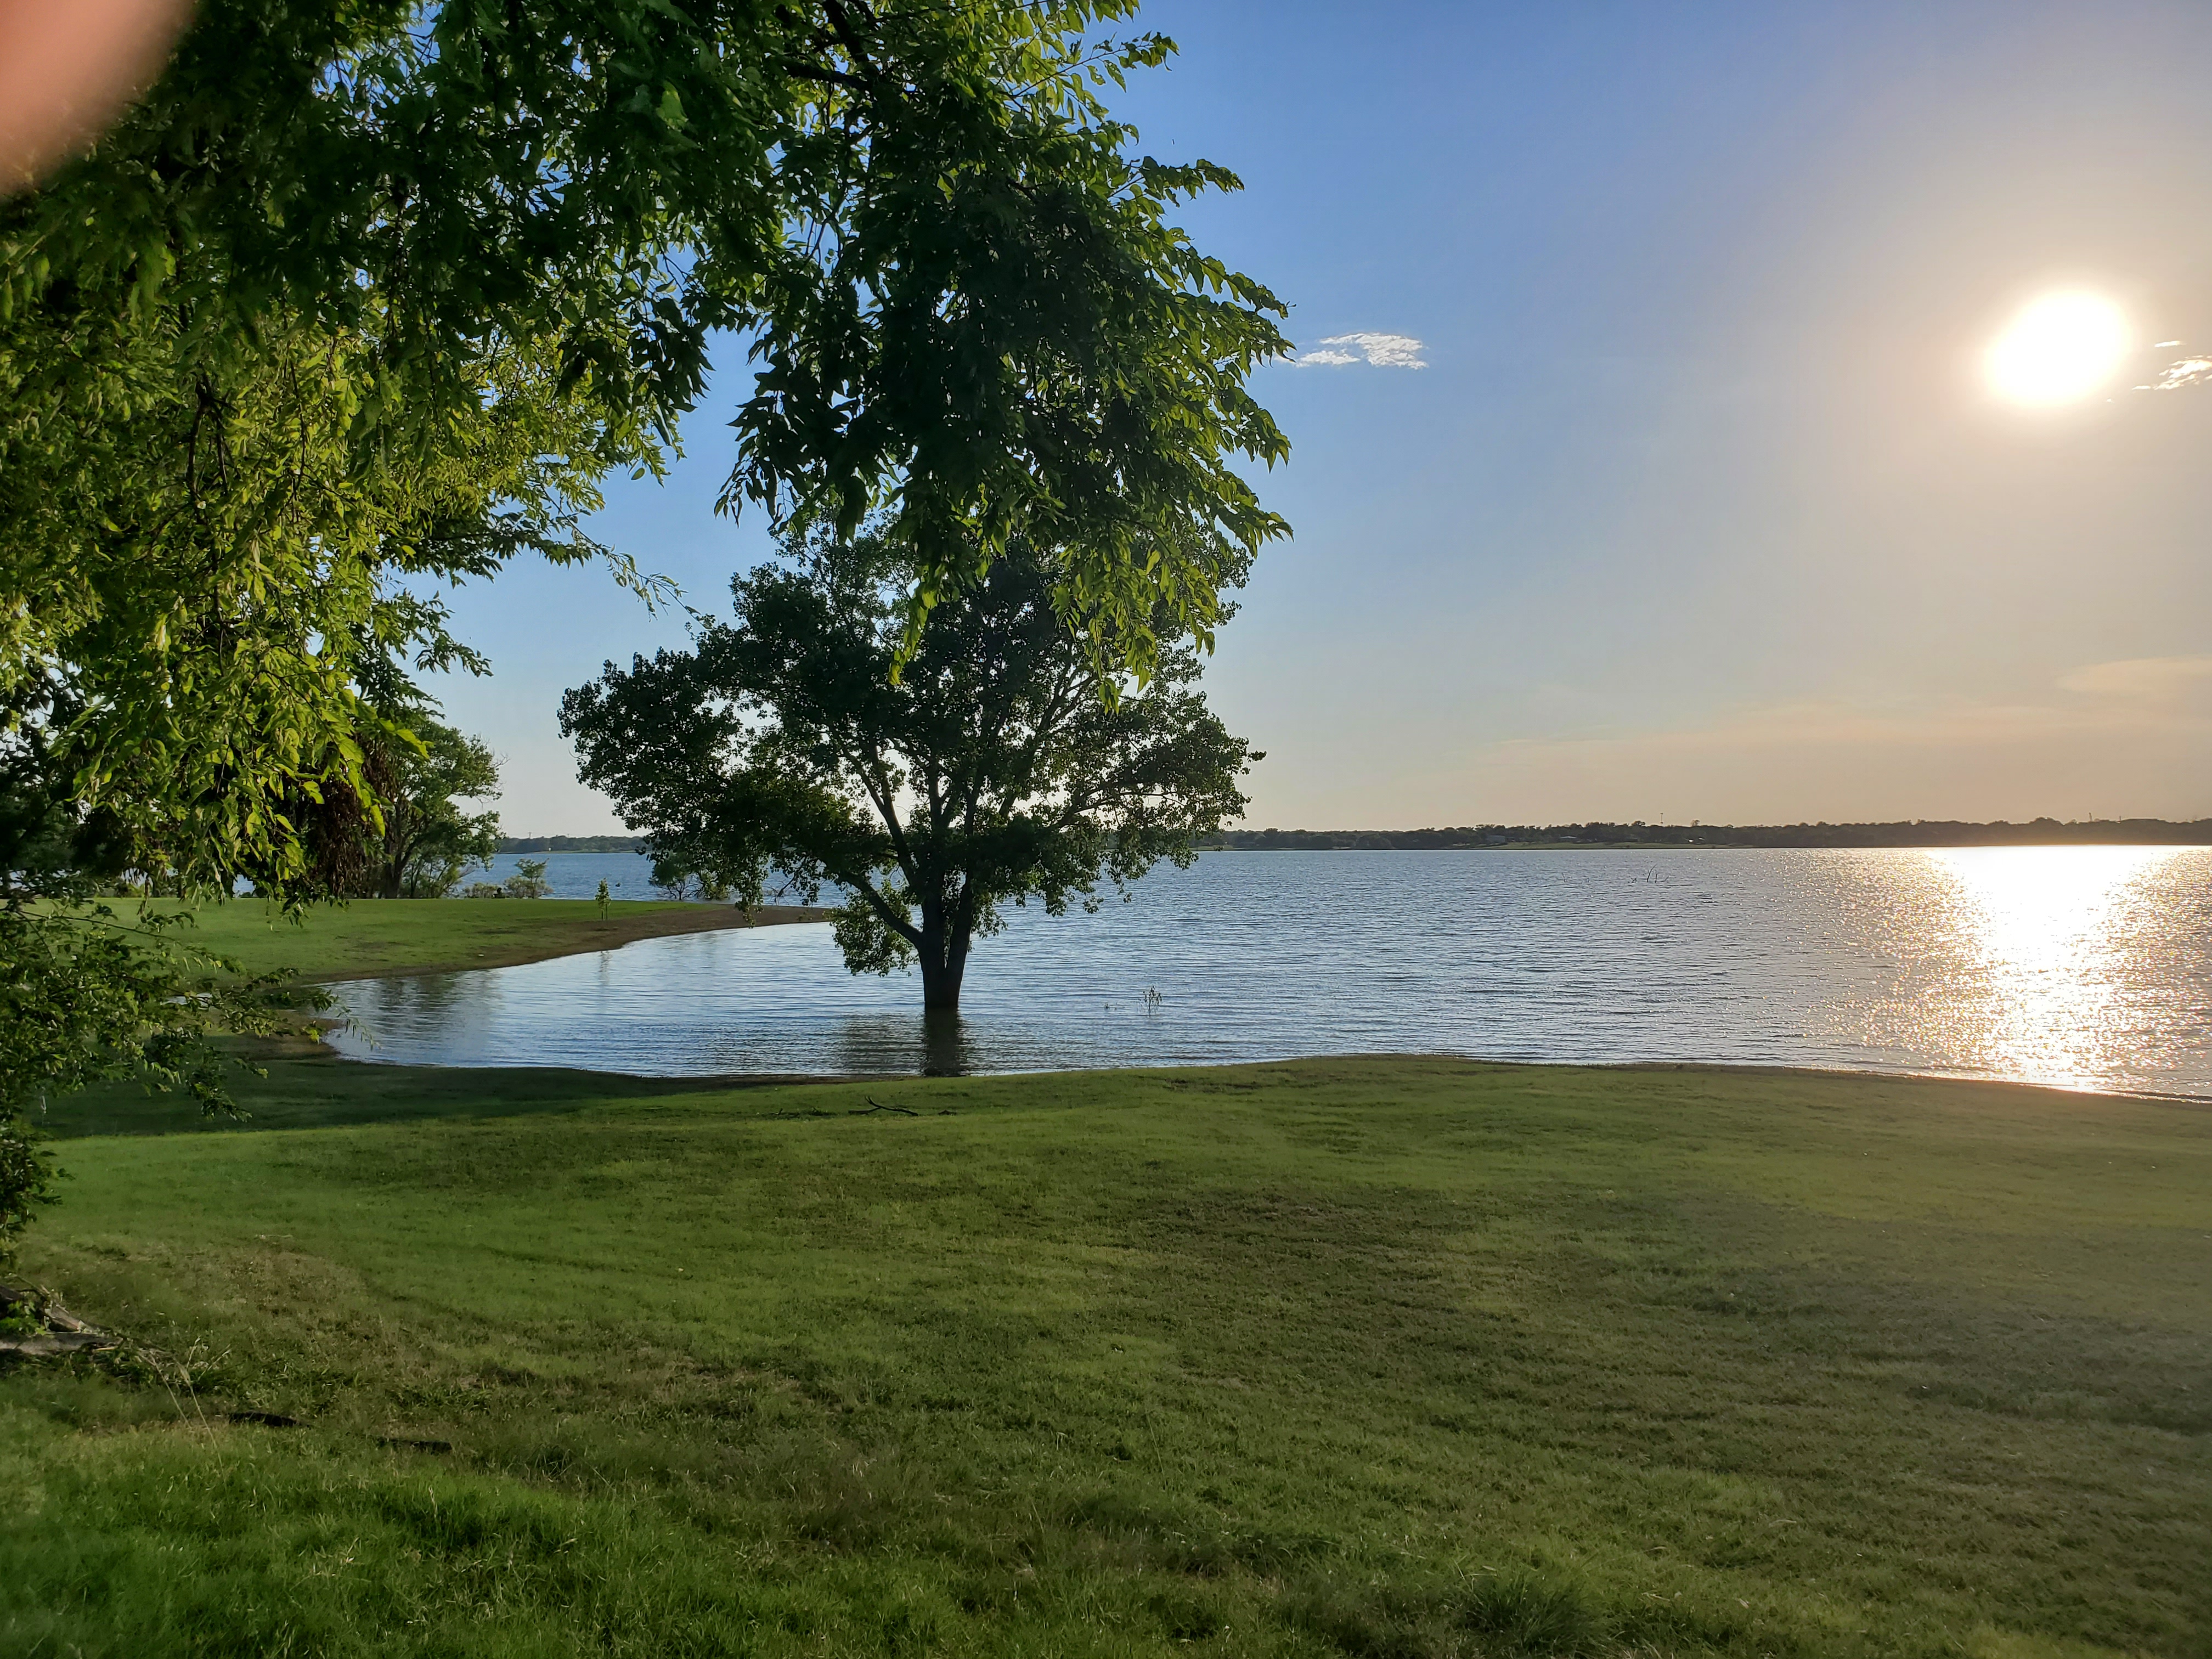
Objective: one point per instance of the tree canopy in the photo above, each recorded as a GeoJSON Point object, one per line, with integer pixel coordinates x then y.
{"type": "Point", "coordinates": [421, 843]}
{"type": "Point", "coordinates": [365, 298]}
{"type": "Point", "coordinates": [368, 290]}
{"type": "Point", "coordinates": [1003, 765]}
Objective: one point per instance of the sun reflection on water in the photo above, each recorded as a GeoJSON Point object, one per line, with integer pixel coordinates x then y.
{"type": "Point", "coordinates": [2085, 967]}
{"type": "Point", "coordinates": [2047, 950]}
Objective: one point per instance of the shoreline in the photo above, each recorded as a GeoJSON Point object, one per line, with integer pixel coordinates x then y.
{"type": "Point", "coordinates": [402, 939]}
{"type": "Point", "coordinates": [1780, 1070]}
{"type": "Point", "coordinates": [679, 917]}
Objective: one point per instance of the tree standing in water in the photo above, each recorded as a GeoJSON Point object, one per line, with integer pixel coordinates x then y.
{"type": "Point", "coordinates": [999, 763]}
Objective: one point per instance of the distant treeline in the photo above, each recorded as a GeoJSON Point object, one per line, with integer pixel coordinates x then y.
{"type": "Point", "coordinates": [1923, 832]}
{"type": "Point", "coordinates": [1928, 832]}
{"type": "Point", "coordinates": [572, 843]}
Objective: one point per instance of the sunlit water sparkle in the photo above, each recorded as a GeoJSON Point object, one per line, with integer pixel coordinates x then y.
{"type": "Point", "coordinates": [2088, 967]}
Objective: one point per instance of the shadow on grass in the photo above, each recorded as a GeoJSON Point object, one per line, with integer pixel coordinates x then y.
{"type": "Point", "coordinates": [308, 1087]}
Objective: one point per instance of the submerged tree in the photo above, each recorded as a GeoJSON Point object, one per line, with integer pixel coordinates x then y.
{"type": "Point", "coordinates": [1000, 765]}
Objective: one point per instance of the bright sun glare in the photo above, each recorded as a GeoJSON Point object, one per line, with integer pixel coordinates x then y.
{"type": "Point", "coordinates": [2061, 347]}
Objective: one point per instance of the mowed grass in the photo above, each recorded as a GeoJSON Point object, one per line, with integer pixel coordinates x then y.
{"type": "Point", "coordinates": [1347, 1357]}
{"type": "Point", "coordinates": [371, 937]}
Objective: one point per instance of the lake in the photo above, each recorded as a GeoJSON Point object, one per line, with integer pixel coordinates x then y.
{"type": "Point", "coordinates": [627, 876]}
{"type": "Point", "coordinates": [2083, 967]}
{"type": "Point", "coordinates": [577, 875]}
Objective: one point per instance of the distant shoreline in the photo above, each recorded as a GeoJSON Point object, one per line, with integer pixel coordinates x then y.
{"type": "Point", "coordinates": [1484, 837]}
{"type": "Point", "coordinates": [2042, 832]}
{"type": "Point", "coordinates": [511, 844]}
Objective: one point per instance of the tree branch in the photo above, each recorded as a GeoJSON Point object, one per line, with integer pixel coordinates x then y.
{"type": "Point", "coordinates": [800, 70]}
{"type": "Point", "coordinates": [891, 918]}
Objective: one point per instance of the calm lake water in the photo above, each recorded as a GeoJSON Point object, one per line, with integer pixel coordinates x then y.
{"type": "Point", "coordinates": [577, 875]}
{"type": "Point", "coordinates": [2084, 967]}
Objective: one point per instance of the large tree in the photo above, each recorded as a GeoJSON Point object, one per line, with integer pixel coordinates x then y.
{"type": "Point", "coordinates": [417, 835]}
{"type": "Point", "coordinates": [1001, 765]}
{"type": "Point", "coordinates": [368, 292]}
{"type": "Point", "coordinates": [222, 585]}
{"type": "Point", "coordinates": [90, 989]}
{"type": "Point", "coordinates": [431, 836]}
{"type": "Point", "coordinates": [366, 296]}
{"type": "Point", "coordinates": [269, 347]}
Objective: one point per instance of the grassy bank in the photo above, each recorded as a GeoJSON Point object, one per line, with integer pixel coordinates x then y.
{"type": "Point", "coordinates": [371, 937]}
{"type": "Point", "coordinates": [1334, 1359]}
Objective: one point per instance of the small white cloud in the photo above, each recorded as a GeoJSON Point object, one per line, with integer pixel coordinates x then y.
{"type": "Point", "coordinates": [2156, 679]}
{"type": "Point", "coordinates": [2190, 371]}
{"type": "Point", "coordinates": [1383, 350]}
{"type": "Point", "coordinates": [1380, 351]}
{"type": "Point", "coordinates": [2162, 344]}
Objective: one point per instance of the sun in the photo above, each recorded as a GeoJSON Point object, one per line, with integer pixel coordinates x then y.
{"type": "Point", "coordinates": [2058, 350]}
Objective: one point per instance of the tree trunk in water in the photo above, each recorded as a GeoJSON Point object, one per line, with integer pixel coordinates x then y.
{"type": "Point", "coordinates": [940, 982]}
{"type": "Point", "coordinates": [943, 960]}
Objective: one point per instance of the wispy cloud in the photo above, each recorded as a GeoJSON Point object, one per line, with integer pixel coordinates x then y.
{"type": "Point", "coordinates": [2180, 375]}
{"type": "Point", "coordinates": [2190, 371]}
{"type": "Point", "coordinates": [1379, 350]}
{"type": "Point", "coordinates": [2142, 679]}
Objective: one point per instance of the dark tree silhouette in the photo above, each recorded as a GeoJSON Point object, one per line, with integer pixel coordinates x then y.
{"type": "Point", "coordinates": [1002, 764]}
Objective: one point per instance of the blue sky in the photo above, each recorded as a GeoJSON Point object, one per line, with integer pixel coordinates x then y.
{"type": "Point", "coordinates": [1700, 507]}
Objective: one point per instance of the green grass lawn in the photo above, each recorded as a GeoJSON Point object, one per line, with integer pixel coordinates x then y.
{"type": "Point", "coordinates": [1344, 1358]}
{"type": "Point", "coordinates": [370, 937]}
